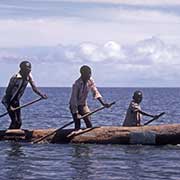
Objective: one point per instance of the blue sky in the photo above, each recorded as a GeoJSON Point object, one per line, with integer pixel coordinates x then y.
{"type": "Point", "coordinates": [132, 43]}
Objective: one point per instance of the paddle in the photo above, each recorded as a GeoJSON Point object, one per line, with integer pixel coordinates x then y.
{"type": "Point", "coordinates": [84, 116]}
{"type": "Point", "coordinates": [155, 118]}
{"type": "Point", "coordinates": [24, 105]}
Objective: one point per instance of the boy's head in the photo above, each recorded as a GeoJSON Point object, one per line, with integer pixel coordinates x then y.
{"type": "Point", "coordinates": [25, 67]}
{"type": "Point", "coordinates": [138, 96]}
{"type": "Point", "coordinates": [85, 72]}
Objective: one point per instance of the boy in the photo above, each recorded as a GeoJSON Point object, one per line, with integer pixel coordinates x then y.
{"type": "Point", "coordinates": [15, 90]}
{"type": "Point", "coordinates": [134, 112]}
{"type": "Point", "coordinates": [78, 100]}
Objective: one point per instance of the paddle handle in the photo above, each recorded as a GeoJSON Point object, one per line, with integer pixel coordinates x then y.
{"type": "Point", "coordinates": [155, 118]}
{"type": "Point", "coordinates": [25, 105]}
{"type": "Point", "coordinates": [2, 115]}
{"type": "Point", "coordinates": [96, 110]}
{"type": "Point", "coordinates": [84, 116]}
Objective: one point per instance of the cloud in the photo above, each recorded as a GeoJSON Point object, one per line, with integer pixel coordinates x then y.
{"type": "Point", "coordinates": [127, 43]}
{"type": "Point", "coordinates": [147, 52]}
{"type": "Point", "coordinates": [150, 62]}
{"type": "Point", "coordinates": [154, 51]}
{"type": "Point", "coordinates": [134, 15]}
{"type": "Point", "coordinates": [97, 24]}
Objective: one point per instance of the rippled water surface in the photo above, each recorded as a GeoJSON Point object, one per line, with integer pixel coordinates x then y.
{"type": "Point", "coordinates": [91, 161]}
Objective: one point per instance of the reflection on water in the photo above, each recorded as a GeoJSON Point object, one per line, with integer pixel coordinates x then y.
{"type": "Point", "coordinates": [134, 164]}
{"type": "Point", "coordinates": [88, 162]}
{"type": "Point", "coordinates": [81, 162]}
{"type": "Point", "coordinates": [14, 161]}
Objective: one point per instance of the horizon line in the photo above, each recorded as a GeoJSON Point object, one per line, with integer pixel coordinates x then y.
{"type": "Point", "coordinates": [106, 87]}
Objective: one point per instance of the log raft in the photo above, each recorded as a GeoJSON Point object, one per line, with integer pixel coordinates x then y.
{"type": "Point", "coordinates": [147, 135]}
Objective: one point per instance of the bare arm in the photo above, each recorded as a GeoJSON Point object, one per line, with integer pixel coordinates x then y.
{"type": "Point", "coordinates": [103, 103]}
{"type": "Point", "coordinates": [145, 114]}
{"type": "Point", "coordinates": [97, 95]}
{"type": "Point", "coordinates": [35, 89]}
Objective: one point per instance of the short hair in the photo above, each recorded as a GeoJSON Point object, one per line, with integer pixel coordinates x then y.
{"type": "Point", "coordinates": [137, 94]}
{"type": "Point", "coordinates": [85, 69]}
{"type": "Point", "coordinates": [25, 65]}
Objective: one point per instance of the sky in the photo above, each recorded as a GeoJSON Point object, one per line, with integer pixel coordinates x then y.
{"type": "Point", "coordinates": [132, 43]}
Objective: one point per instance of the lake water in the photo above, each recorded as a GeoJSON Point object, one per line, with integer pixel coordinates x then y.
{"type": "Point", "coordinates": [91, 161]}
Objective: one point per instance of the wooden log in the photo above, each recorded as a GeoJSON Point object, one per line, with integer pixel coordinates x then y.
{"type": "Point", "coordinates": [152, 135]}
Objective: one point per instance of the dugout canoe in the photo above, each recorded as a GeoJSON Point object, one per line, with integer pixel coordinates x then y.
{"type": "Point", "coordinates": [147, 135]}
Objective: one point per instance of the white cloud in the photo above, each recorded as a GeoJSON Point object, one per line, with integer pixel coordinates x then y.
{"type": "Point", "coordinates": [97, 25]}
{"type": "Point", "coordinates": [146, 52]}
{"type": "Point", "coordinates": [114, 37]}
{"type": "Point", "coordinates": [150, 62]}
{"type": "Point", "coordinates": [135, 15]}
{"type": "Point", "coordinates": [90, 51]}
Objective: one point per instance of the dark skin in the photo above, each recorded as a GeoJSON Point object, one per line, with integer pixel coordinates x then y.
{"type": "Point", "coordinates": [85, 77]}
{"type": "Point", "coordinates": [25, 73]}
{"type": "Point", "coordinates": [138, 101]}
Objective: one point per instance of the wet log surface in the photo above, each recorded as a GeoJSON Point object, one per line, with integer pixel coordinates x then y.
{"type": "Point", "coordinates": [155, 135]}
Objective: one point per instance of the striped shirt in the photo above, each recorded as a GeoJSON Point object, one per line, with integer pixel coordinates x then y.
{"type": "Point", "coordinates": [16, 88]}
{"type": "Point", "coordinates": [133, 117]}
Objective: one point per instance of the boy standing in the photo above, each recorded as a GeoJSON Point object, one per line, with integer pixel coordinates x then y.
{"type": "Point", "coordinates": [15, 90]}
{"type": "Point", "coordinates": [78, 100]}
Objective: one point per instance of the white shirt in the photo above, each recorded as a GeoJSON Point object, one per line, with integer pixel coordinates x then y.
{"type": "Point", "coordinates": [80, 92]}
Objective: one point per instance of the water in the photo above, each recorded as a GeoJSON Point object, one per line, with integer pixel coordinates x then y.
{"type": "Point", "coordinates": [91, 161]}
